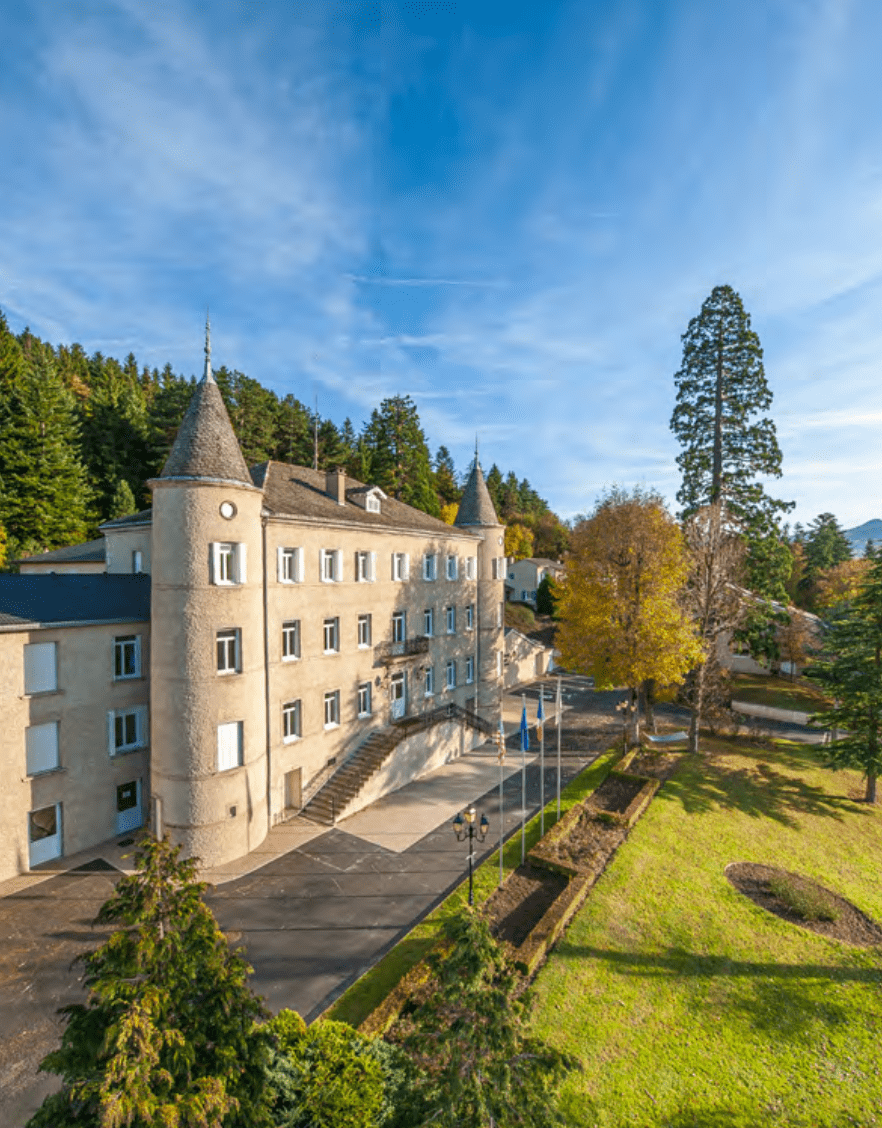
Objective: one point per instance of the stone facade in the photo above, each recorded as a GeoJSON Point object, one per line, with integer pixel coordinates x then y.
{"type": "Point", "coordinates": [292, 613]}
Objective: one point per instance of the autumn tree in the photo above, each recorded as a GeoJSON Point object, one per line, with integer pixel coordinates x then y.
{"type": "Point", "coordinates": [797, 640]}
{"type": "Point", "coordinates": [840, 584]}
{"type": "Point", "coordinates": [850, 673]}
{"type": "Point", "coordinates": [518, 541]}
{"type": "Point", "coordinates": [715, 605]}
{"type": "Point", "coordinates": [620, 604]}
{"type": "Point", "coordinates": [168, 1034]}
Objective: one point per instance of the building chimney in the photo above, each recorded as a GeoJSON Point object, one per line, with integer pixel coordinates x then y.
{"type": "Point", "coordinates": [336, 485]}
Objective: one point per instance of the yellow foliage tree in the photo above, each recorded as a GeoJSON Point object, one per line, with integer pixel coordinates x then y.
{"type": "Point", "coordinates": [840, 584]}
{"type": "Point", "coordinates": [620, 604]}
{"type": "Point", "coordinates": [449, 512]}
{"type": "Point", "coordinates": [518, 542]}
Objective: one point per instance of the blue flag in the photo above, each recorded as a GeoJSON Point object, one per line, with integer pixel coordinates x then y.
{"type": "Point", "coordinates": [525, 732]}
{"type": "Point", "coordinates": [540, 717]}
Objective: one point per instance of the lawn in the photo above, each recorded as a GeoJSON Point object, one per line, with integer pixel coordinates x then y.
{"type": "Point", "coordinates": [369, 991]}
{"type": "Point", "coordinates": [780, 693]}
{"type": "Point", "coordinates": [687, 1004]}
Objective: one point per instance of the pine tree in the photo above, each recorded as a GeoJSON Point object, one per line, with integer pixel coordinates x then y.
{"type": "Point", "coordinates": [399, 456]}
{"type": "Point", "coordinates": [721, 387]}
{"type": "Point", "coordinates": [826, 545]}
{"type": "Point", "coordinates": [167, 1035]}
{"type": "Point", "coordinates": [44, 493]}
{"type": "Point", "coordinates": [850, 672]}
{"type": "Point", "coordinates": [123, 501]}
{"type": "Point", "coordinates": [477, 1065]}
{"type": "Point", "coordinates": [446, 484]}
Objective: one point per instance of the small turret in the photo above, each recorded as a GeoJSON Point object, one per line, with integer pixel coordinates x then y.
{"type": "Point", "coordinates": [477, 514]}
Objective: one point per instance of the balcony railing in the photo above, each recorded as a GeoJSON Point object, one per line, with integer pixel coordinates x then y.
{"type": "Point", "coordinates": [399, 651]}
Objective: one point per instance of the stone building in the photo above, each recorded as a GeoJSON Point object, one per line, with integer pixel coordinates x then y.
{"type": "Point", "coordinates": [261, 642]}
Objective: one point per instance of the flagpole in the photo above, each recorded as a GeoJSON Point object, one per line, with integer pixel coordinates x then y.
{"type": "Point", "coordinates": [500, 740]}
{"type": "Point", "coordinates": [525, 740]}
{"type": "Point", "coordinates": [557, 709]}
{"type": "Point", "coordinates": [541, 761]}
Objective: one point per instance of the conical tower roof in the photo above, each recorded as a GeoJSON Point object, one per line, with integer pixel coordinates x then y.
{"type": "Point", "coordinates": [206, 445]}
{"type": "Point", "coordinates": [476, 507]}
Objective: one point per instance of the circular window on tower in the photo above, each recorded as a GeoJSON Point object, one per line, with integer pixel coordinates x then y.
{"type": "Point", "coordinates": [227, 509]}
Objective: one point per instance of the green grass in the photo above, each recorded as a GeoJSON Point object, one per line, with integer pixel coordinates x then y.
{"type": "Point", "coordinates": [369, 991]}
{"type": "Point", "coordinates": [520, 616]}
{"type": "Point", "coordinates": [689, 1005]}
{"type": "Point", "coordinates": [777, 692]}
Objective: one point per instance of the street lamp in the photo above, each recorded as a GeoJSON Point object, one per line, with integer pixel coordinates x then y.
{"type": "Point", "coordinates": [464, 827]}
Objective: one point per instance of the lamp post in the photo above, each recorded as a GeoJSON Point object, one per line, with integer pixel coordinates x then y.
{"type": "Point", "coordinates": [464, 827]}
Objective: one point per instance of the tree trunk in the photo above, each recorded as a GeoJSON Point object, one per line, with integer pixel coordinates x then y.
{"type": "Point", "coordinates": [633, 719]}
{"type": "Point", "coordinates": [697, 702]}
{"type": "Point", "coordinates": [647, 692]}
{"type": "Point", "coordinates": [871, 787]}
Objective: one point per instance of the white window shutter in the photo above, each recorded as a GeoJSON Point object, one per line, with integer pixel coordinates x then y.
{"type": "Point", "coordinates": [111, 732]}
{"type": "Point", "coordinates": [298, 564]}
{"type": "Point", "coordinates": [41, 747]}
{"type": "Point", "coordinates": [394, 558]}
{"type": "Point", "coordinates": [241, 563]}
{"type": "Point", "coordinates": [40, 675]}
{"type": "Point", "coordinates": [406, 573]}
{"type": "Point", "coordinates": [138, 655]}
{"type": "Point", "coordinates": [372, 574]}
{"type": "Point", "coordinates": [338, 565]}
{"type": "Point", "coordinates": [214, 562]}
{"type": "Point", "coordinates": [280, 563]}
{"type": "Point", "coordinates": [143, 726]}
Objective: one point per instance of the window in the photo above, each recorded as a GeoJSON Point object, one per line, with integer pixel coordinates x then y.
{"type": "Point", "coordinates": [498, 567]}
{"type": "Point", "coordinates": [291, 640]}
{"type": "Point", "coordinates": [430, 681]}
{"type": "Point", "coordinates": [470, 669]}
{"type": "Point", "coordinates": [332, 709]}
{"type": "Point", "coordinates": [470, 617]}
{"type": "Point", "coordinates": [364, 699]}
{"type": "Point", "coordinates": [126, 657]}
{"type": "Point", "coordinates": [452, 567]}
{"type": "Point", "coordinates": [331, 566]}
{"type": "Point", "coordinates": [40, 667]}
{"type": "Point", "coordinates": [41, 748]}
{"type": "Point", "coordinates": [365, 567]}
{"type": "Point", "coordinates": [471, 567]}
{"type": "Point", "coordinates": [430, 566]}
{"type": "Point", "coordinates": [228, 651]}
{"type": "Point", "coordinates": [364, 631]}
{"type": "Point", "coordinates": [229, 746]}
{"type": "Point", "coordinates": [525, 595]}
{"type": "Point", "coordinates": [291, 721]}
{"type": "Point", "coordinates": [372, 503]}
{"type": "Point", "coordinates": [451, 674]}
{"type": "Point", "coordinates": [137, 562]}
{"type": "Point", "coordinates": [227, 563]}
{"type": "Point", "coordinates": [126, 729]}
{"type": "Point", "coordinates": [428, 622]}
{"type": "Point", "coordinates": [400, 566]}
{"type": "Point", "coordinates": [500, 612]}
{"type": "Point", "coordinates": [332, 636]}
{"type": "Point", "coordinates": [399, 626]}
{"type": "Point", "coordinates": [44, 834]}
{"type": "Point", "coordinates": [450, 620]}
{"type": "Point", "coordinates": [290, 565]}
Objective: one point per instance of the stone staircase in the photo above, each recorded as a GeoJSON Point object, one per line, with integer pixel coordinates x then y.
{"type": "Point", "coordinates": [337, 792]}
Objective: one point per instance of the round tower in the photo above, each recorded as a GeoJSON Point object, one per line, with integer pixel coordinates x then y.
{"type": "Point", "coordinates": [207, 673]}
{"type": "Point", "coordinates": [477, 515]}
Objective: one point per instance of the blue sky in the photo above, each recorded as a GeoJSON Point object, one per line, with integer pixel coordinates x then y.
{"type": "Point", "coordinates": [508, 210]}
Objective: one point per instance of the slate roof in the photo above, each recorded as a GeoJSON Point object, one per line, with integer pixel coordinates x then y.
{"type": "Point", "coordinates": [47, 599]}
{"type": "Point", "coordinates": [476, 508]}
{"type": "Point", "coordinates": [144, 517]}
{"type": "Point", "coordinates": [90, 552]}
{"type": "Point", "coordinates": [205, 445]}
{"type": "Point", "coordinates": [300, 492]}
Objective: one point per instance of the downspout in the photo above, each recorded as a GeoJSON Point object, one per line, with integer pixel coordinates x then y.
{"type": "Point", "coordinates": [266, 685]}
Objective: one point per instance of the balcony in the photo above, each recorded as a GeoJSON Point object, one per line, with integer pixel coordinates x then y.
{"type": "Point", "coordinates": [389, 652]}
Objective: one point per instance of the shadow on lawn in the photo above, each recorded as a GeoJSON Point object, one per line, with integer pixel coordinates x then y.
{"type": "Point", "coordinates": [784, 1000]}
{"type": "Point", "coordinates": [761, 790]}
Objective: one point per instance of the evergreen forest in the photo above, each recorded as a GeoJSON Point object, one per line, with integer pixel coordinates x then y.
{"type": "Point", "coordinates": [80, 436]}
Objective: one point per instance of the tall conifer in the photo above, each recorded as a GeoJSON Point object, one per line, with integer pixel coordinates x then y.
{"type": "Point", "coordinates": [399, 456]}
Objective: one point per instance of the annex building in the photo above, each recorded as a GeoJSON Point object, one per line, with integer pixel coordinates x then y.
{"type": "Point", "coordinates": [262, 641]}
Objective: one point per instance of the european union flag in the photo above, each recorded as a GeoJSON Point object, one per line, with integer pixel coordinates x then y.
{"type": "Point", "coordinates": [540, 717]}
{"type": "Point", "coordinates": [525, 732]}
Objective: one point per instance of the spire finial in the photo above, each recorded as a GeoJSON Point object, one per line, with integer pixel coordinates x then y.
{"type": "Point", "coordinates": [477, 463]}
{"type": "Point", "coordinates": [207, 376]}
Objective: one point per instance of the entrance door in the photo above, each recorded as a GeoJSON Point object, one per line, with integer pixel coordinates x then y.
{"type": "Point", "coordinates": [128, 807]}
{"type": "Point", "coordinates": [398, 696]}
{"type": "Point", "coordinates": [293, 789]}
{"type": "Point", "coordinates": [44, 834]}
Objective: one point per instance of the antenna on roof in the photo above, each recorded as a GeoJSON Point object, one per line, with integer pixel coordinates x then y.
{"type": "Point", "coordinates": [207, 376]}
{"type": "Point", "coordinates": [476, 451]}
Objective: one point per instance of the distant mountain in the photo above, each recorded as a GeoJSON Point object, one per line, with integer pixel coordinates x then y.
{"type": "Point", "coordinates": [870, 530]}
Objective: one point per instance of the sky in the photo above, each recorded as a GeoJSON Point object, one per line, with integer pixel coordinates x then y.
{"type": "Point", "coordinates": [508, 210]}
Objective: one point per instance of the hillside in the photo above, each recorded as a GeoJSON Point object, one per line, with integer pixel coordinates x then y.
{"type": "Point", "coordinates": [870, 530]}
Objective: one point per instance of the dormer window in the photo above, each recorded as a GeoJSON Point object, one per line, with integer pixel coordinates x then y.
{"type": "Point", "coordinates": [372, 503]}
{"type": "Point", "coordinates": [368, 497]}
